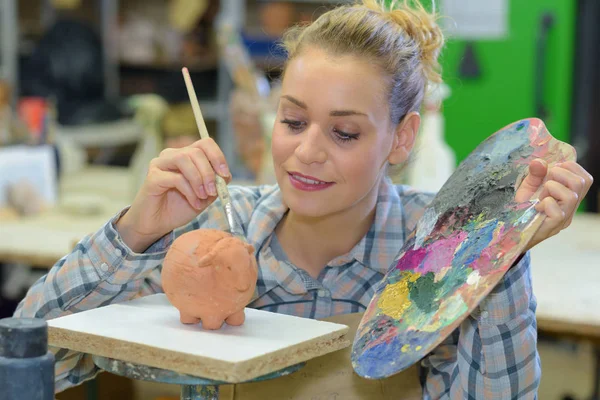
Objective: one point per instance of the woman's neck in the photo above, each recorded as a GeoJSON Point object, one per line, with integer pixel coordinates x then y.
{"type": "Point", "coordinates": [310, 243]}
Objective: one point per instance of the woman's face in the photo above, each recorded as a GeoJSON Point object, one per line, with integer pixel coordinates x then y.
{"type": "Point", "coordinates": [333, 135]}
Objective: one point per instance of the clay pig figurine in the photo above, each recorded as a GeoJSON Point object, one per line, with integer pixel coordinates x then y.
{"type": "Point", "coordinates": [210, 276]}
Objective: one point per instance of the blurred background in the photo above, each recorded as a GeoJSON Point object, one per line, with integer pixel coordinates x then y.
{"type": "Point", "coordinates": [91, 91]}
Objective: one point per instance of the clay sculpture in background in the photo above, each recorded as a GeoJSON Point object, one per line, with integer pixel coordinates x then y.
{"type": "Point", "coordinates": [210, 276]}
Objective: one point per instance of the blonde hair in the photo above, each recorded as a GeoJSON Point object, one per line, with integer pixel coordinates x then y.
{"type": "Point", "coordinates": [403, 40]}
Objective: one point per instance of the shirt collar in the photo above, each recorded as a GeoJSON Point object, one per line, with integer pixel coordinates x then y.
{"type": "Point", "coordinates": [377, 250]}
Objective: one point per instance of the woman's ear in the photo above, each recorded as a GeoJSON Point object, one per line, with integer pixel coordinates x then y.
{"type": "Point", "coordinates": [404, 138]}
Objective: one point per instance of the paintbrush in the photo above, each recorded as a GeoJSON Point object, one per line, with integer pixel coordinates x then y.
{"type": "Point", "coordinates": [222, 190]}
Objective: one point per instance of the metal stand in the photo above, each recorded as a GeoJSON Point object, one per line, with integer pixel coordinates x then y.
{"type": "Point", "coordinates": [596, 392]}
{"type": "Point", "coordinates": [190, 392]}
{"type": "Point", "coordinates": [192, 387]}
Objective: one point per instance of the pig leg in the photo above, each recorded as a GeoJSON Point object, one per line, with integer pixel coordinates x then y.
{"type": "Point", "coordinates": [236, 318]}
{"type": "Point", "coordinates": [187, 319]}
{"type": "Point", "coordinates": [212, 322]}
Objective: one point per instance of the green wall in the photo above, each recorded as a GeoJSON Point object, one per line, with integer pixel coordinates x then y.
{"type": "Point", "coordinates": [504, 92]}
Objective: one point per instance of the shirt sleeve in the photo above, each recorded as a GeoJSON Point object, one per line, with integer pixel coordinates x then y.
{"type": "Point", "coordinates": [493, 354]}
{"type": "Point", "coordinates": [102, 270]}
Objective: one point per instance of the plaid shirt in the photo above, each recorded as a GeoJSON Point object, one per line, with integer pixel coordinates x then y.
{"type": "Point", "coordinates": [492, 355]}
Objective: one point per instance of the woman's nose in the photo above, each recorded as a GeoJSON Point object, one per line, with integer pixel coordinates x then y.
{"type": "Point", "coordinates": [311, 148]}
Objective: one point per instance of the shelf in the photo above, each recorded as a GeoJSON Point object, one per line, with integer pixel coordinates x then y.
{"type": "Point", "coordinates": [116, 133]}
{"type": "Point", "coordinates": [210, 62]}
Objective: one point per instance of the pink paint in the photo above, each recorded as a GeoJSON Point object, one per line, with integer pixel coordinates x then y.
{"type": "Point", "coordinates": [411, 259]}
{"type": "Point", "coordinates": [441, 253]}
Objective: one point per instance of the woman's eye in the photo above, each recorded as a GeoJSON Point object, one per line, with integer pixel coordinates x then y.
{"type": "Point", "coordinates": [343, 137]}
{"type": "Point", "coordinates": [293, 125]}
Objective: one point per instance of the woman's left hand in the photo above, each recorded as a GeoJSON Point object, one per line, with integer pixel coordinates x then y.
{"type": "Point", "coordinates": [564, 186]}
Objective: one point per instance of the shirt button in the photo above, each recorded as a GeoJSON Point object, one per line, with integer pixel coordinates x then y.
{"type": "Point", "coordinates": [104, 267]}
{"type": "Point", "coordinates": [118, 252]}
{"type": "Point", "coordinates": [484, 314]}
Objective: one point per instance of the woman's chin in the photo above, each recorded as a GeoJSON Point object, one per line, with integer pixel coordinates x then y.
{"type": "Point", "coordinates": [308, 209]}
{"type": "Point", "coordinates": [310, 204]}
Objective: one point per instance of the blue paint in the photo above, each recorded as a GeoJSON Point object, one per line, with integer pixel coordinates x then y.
{"type": "Point", "coordinates": [475, 243]}
{"type": "Point", "coordinates": [375, 361]}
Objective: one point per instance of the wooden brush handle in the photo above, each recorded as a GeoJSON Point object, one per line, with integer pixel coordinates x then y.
{"type": "Point", "coordinates": [222, 189]}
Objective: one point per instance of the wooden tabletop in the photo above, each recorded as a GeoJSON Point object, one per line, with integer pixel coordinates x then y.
{"type": "Point", "coordinates": [87, 200]}
{"type": "Point", "coordinates": [566, 279]}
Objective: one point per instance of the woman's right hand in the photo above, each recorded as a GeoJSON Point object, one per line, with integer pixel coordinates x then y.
{"type": "Point", "coordinates": [179, 185]}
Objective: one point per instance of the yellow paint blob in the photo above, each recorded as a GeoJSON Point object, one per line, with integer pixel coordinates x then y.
{"type": "Point", "coordinates": [433, 327]}
{"type": "Point", "coordinates": [418, 348]}
{"type": "Point", "coordinates": [394, 298]}
{"type": "Point", "coordinates": [405, 348]}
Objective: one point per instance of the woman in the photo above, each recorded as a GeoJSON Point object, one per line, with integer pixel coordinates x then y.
{"type": "Point", "coordinates": [326, 234]}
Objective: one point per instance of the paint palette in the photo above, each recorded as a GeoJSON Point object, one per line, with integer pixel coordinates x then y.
{"type": "Point", "coordinates": [468, 237]}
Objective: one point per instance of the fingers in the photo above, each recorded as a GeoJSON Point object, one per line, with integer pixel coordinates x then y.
{"type": "Point", "coordinates": [564, 196]}
{"type": "Point", "coordinates": [553, 224]}
{"type": "Point", "coordinates": [210, 151]}
{"type": "Point", "coordinates": [573, 182]}
{"type": "Point", "coordinates": [581, 172]}
{"type": "Point", "coordinates": [166, 180]}
{"type": "Point", "coordinates": [197, 163]}
{"type": "Point", "coordinates": [538, 169]}
{"type": "Point", "coordinates": [537, 173]}
{"type": "Point", "coordinates": [206, 171]}
{"type": "Point", "coordinates": [568, 179]}
{"type": "Point", "coordinates": [214, 155]}
{"type": "Point", "coordinates": [564, 187]}
{"type": "Point", "coordinates": [566, 199]}
{"type": "Point", "coordinates": [571, 177]}
{"type": "Point", "coordinates": [182, 161]}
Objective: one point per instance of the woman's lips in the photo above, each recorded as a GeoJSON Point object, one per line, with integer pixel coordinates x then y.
{"type": "Point", "coordinates": [307, 183]}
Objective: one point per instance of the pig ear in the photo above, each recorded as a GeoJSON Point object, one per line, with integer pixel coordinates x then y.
{"type": "Point", "coordinates": [206, 260]}
{"type": "Point", "coordinates": [249, 248]}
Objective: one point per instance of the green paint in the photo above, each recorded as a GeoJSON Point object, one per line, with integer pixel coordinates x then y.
{"type": "Point", "coordinates": [453, 280]}
{"type": "Point", "coordinates": [424, 292]}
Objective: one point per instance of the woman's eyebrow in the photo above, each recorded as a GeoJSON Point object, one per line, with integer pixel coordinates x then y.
{"type": "Point", "coordinates": [295, 101]}
{"type": "Point", "coordinates": [345, 113]}
{"type": "Point", "coordinates": [335, 113]}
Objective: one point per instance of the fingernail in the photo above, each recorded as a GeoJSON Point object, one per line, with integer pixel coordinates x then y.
{"type": "Point", "coordinates": [202, 192]}
{"type": "Point", "coordinates": [224, 170]}
{"type": "Point", "coordinates": [212, 190]}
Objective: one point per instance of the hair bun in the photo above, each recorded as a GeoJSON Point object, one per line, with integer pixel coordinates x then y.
{"type": "Point", "coordinates": [420, 25]}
